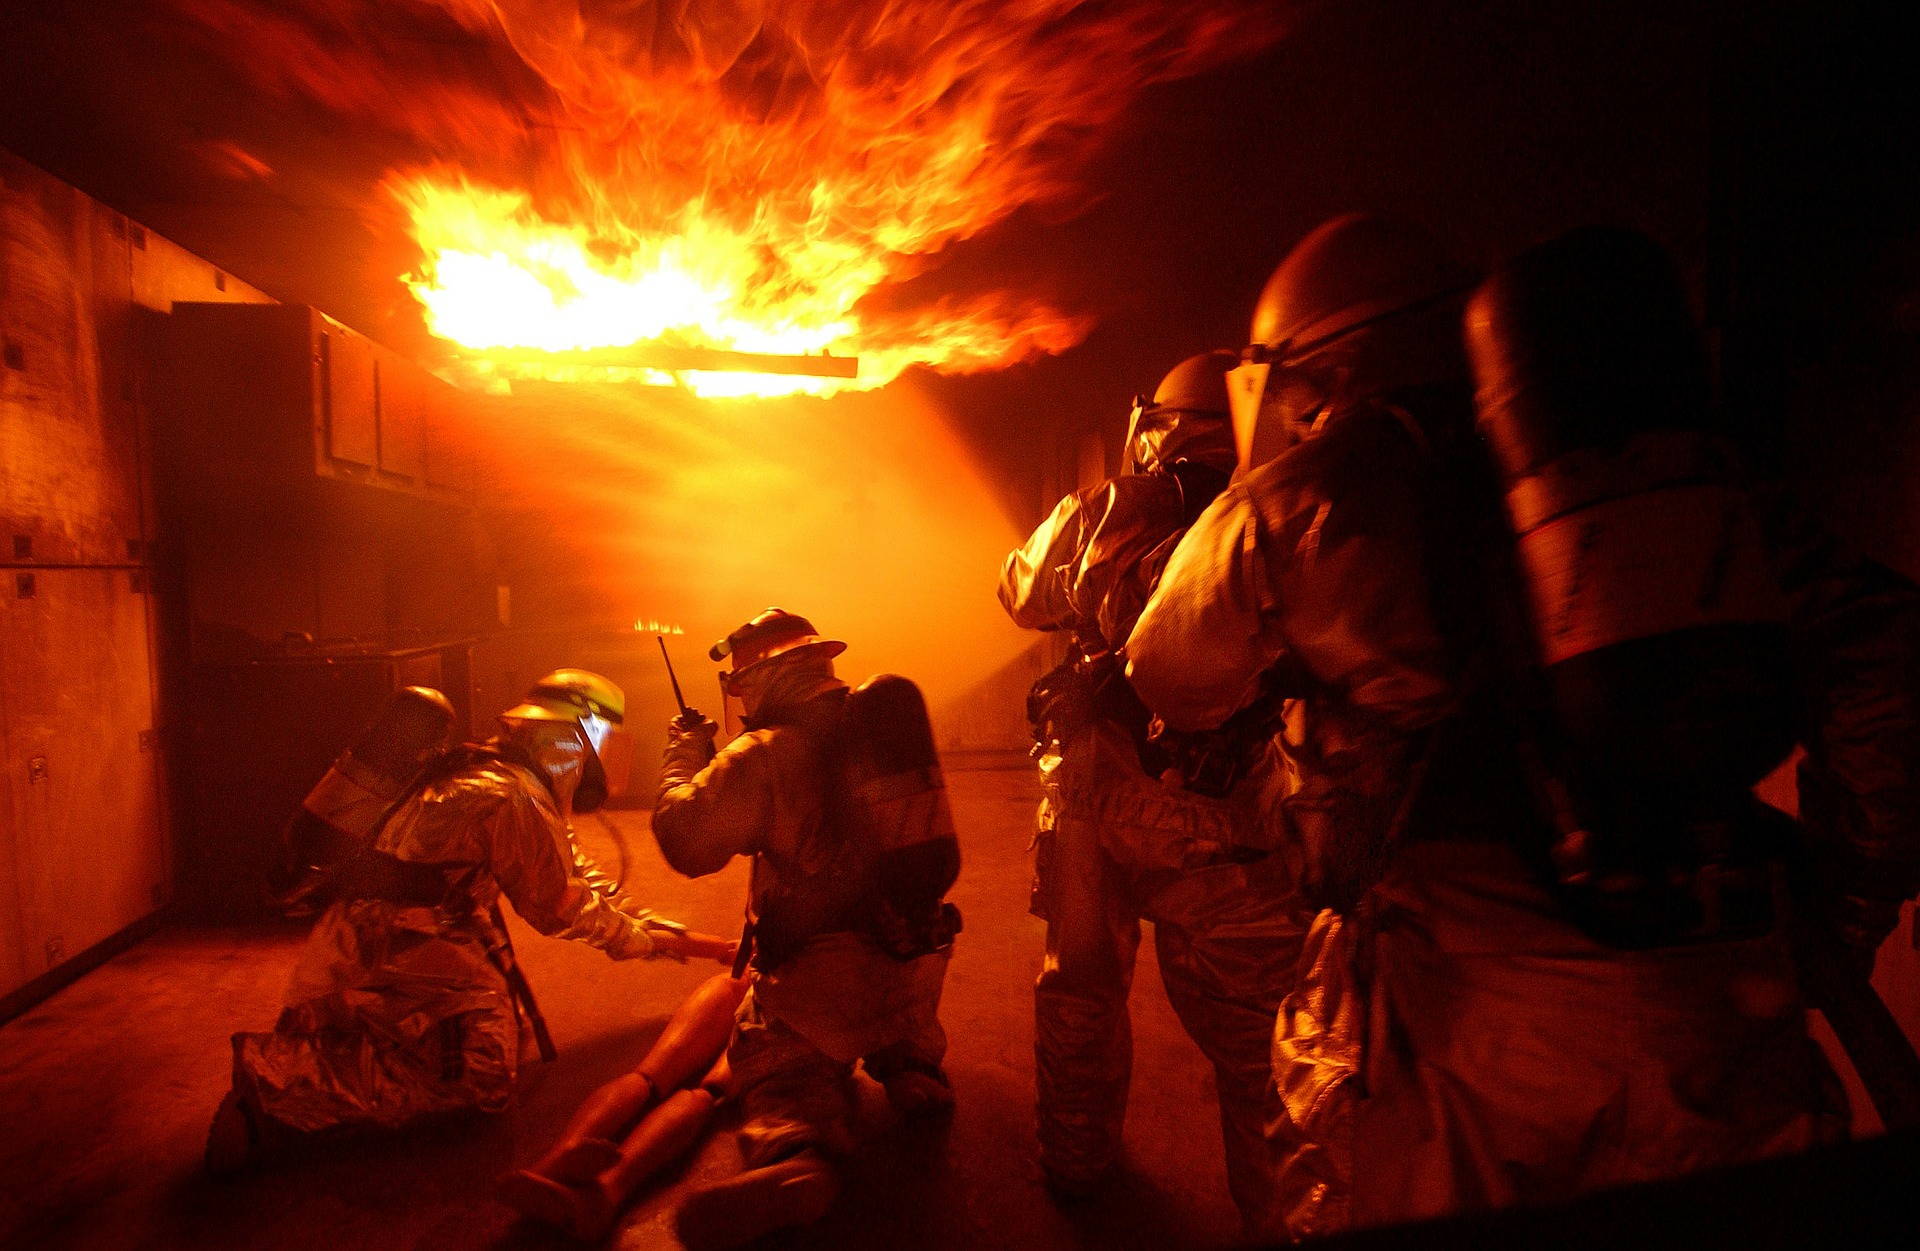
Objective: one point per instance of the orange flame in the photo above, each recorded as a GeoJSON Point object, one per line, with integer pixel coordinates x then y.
{"type": "Point", "coordinates": [744, 174]}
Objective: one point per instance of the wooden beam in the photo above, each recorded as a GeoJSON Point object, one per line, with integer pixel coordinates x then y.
{"type": "Point", "coordinates": [668, 357]}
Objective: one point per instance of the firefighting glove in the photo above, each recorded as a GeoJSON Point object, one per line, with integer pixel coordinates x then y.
{"type": "Point", "coordinates": [695, 736]}
{"type": "Point", "coordinates": [637, 940]}
{"type": "Point", "coordinates": [1862, 923]}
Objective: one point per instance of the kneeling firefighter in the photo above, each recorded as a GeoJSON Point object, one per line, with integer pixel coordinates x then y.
{"type": "Point", "coordinates": [405, 1001]}
{"type": "Point", "coordinates": [1138, 825]}
{"type": "Point", "coordinates": [838, 798]}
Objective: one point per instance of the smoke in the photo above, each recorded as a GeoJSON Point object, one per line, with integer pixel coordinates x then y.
{"type": "Point", "coordinates": [862, 512]}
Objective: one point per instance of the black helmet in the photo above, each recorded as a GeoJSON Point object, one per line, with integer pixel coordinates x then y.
{"type": "Point", "coordinates": [775, 632]}
{"type": "Point", "coordinates": [1347, 276]}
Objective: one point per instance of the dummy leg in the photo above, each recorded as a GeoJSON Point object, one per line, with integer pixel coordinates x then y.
{"type": "Point", "coordinates": [697, 1033]}
{"type": "Point", "coordinates": [667, 1132]}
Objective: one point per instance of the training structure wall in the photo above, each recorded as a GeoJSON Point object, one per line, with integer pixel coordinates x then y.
{"type": "Point", "coordinates": [84, 836]}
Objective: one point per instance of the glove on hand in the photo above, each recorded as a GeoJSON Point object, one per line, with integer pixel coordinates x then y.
{"type": "Point", "coordinates": [697, 734]}
{"type": "Point", "coordinates": [633, 943]}
{"type": "Point", "coordinates": [1862, 924]}
{"type": "Point", "coordinates": [648, 936]}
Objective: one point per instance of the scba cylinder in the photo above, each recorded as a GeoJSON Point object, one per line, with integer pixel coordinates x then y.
{"type": "Point", "coordinates": [1659, 628]}
{"type": "Point", "coordinates": [901, 798]}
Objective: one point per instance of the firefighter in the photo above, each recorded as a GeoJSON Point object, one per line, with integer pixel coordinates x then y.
{"type": "Point", "coordinates": [1137, 827]}
{"type": "Point", "coordinates": [1485, 1016]}
{"type": "Point", "coordinates": [836, 795]}
{"type": "Point", "coordinates": [405, 1002]}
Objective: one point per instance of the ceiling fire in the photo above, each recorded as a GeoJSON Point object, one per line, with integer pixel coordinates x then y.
{"type": "Point", "coordinates": [761, 176]}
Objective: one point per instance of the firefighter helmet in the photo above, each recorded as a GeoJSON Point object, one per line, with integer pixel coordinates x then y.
{"type": "Point", "coordinates": [599, 708]}
{"type": "Point", "coordinates": [775, 632]}
{"type": "Point", "coordinates": [1188, 417]}
{"type": "Point", "coordinates": [1347, 276]}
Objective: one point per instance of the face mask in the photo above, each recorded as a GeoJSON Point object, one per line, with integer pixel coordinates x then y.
{"type": "Point", "coordinates": [1275, 406]}
{"type": "Point", "coordinates": [750, 688]}
{"type": "Point", "coordinates": [769, 687]}
{"type": "Point", "coordinates": [613, 750]}
{"type": "Point", "coordinates": [1141, 452]}
{"type": "Point", "coordinates": [559, 755]}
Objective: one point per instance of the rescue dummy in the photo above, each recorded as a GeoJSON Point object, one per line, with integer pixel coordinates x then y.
{"type": "Point", "coordinates": [405, 1002]}
{"type": "Point", "coordinates": [637, 1124]}
{"type": "Point", "coordinates": [1481, 1019]}
{"type": "Point", "coordinates": [1137, 825]}
{"type": "Point", "coordinates": [837, 796]}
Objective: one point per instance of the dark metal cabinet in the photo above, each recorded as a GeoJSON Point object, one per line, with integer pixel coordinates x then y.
{"type": "Point", "coordinates": [286, 392]}
{"type": "Point", "coordinates": [315, 559]}
{"type": "Point", "coordinates": [298, 491]}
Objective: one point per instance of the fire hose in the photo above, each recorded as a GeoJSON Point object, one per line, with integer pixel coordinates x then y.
{"type": "Point", "coordinates": [1881, 1053]}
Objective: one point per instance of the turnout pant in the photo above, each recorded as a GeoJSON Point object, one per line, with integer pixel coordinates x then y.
{"type": "Point", "coordinates": [1465, 1046]}
{"type": "Point", "coordinates": [802, 1029]}
{"type": "Point", "coordinates": [393, 1016]}
{"type": "Point", "coordinates": [1227, 935]}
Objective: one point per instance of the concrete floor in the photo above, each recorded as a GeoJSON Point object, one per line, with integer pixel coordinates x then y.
{"type": "Point", "coordinates": [106, 1089]}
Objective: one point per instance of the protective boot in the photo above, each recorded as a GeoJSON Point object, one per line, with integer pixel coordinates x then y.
{"type": "Point", "coordinates": [796, 1191]}
{"type": "Point", "coordinates": [1082, 1037]}
{"type": "Point", "coordinates": [917, 1088]}
{"type": "Point", "coordinates": [233, 1140]}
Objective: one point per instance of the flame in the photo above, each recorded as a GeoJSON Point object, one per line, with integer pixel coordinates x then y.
{"type": "Point", "coordinates": [648, 625]}
{"type": "Point", "coordinates": [230, 159]}
{"type": "Point", "coordinates": [752, 175]}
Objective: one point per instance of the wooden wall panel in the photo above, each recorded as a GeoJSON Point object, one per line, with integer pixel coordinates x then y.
{"type": "Point", "coordinates": [86, 856]}
{"type": "Point", "coordinates": [84, 840]}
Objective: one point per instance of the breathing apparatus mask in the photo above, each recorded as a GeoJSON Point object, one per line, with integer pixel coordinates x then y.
{"type": "Point", "coordinates": [805, 660]}
{"type": "Point", "coordinates": [1186, 418]}
{"type": "Point", "coordinates": [572, 723]}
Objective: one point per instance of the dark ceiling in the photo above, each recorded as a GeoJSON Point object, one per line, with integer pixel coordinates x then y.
{"type": "Point", "coordinates": [1496, 122]}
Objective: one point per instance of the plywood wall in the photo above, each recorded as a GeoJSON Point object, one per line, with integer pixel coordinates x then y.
{"type": "Point", "coordinates": [84, 850]}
